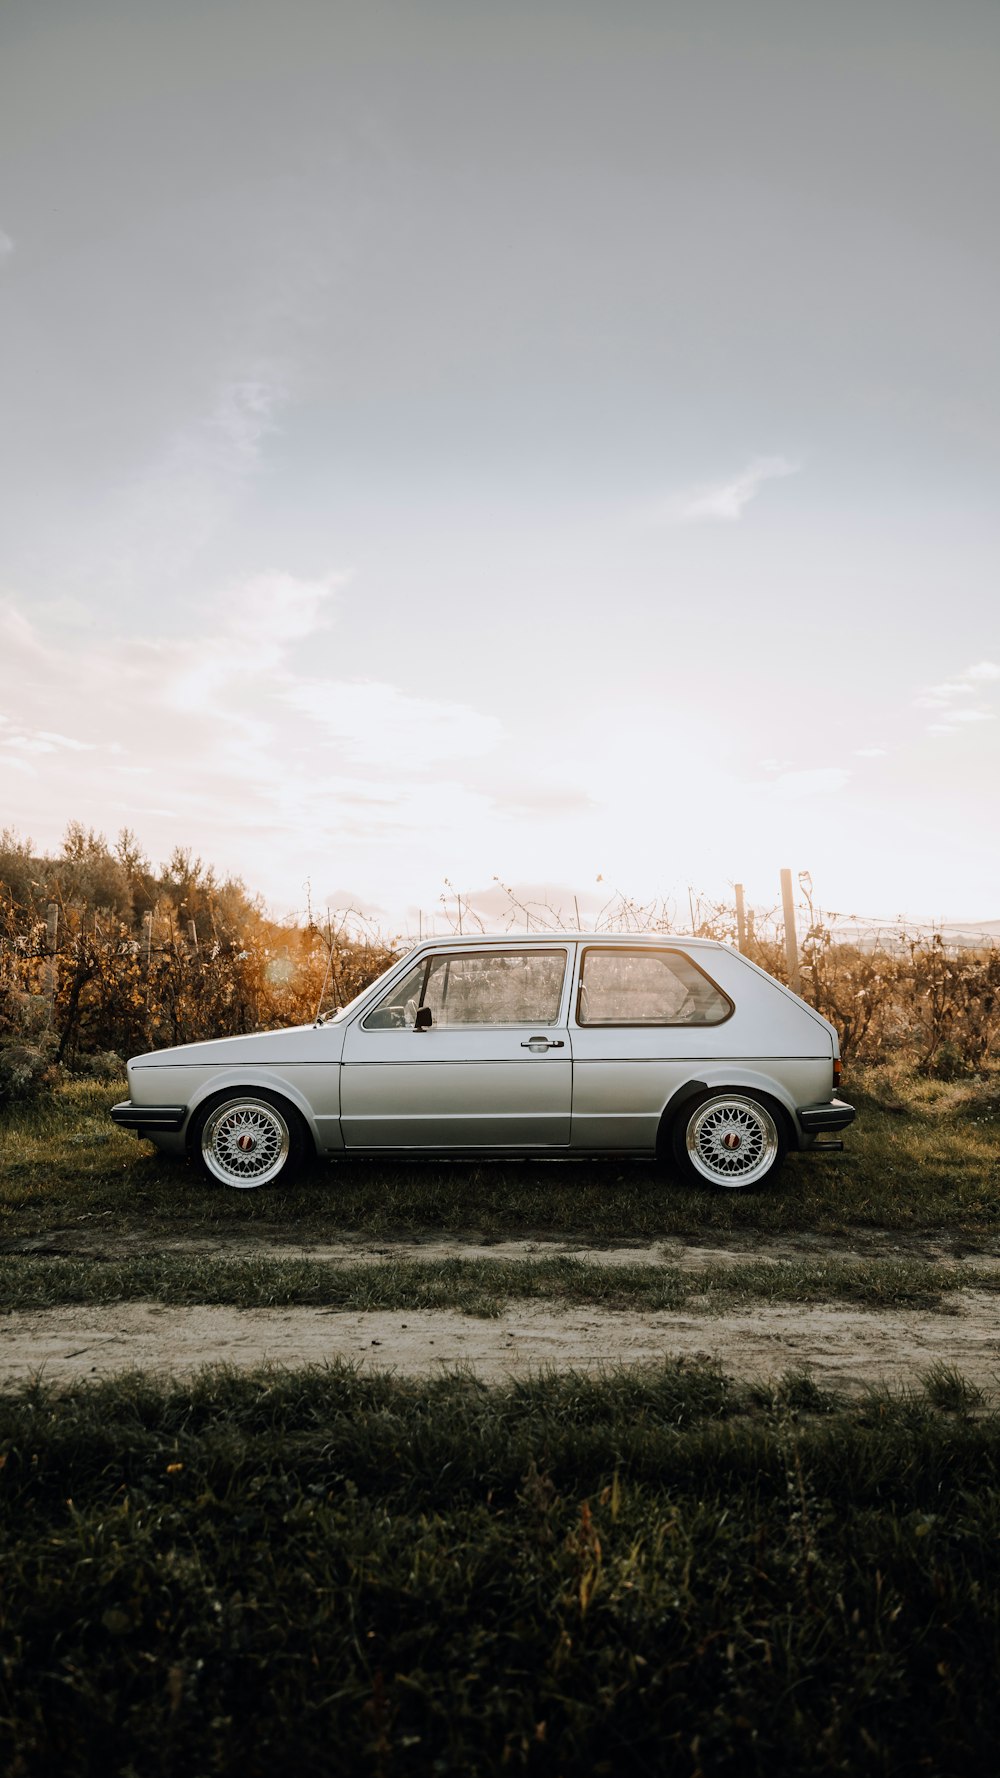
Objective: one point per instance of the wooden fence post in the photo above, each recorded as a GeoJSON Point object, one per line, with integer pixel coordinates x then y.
{"type": "Point", "coordinates": [791, 941]}
{"type": "Point", "coordinates": [741, 920]}
{"type": "Point", "coordinates": [147, 933]}
{"type": "Point", "coordinates": [51, 966]}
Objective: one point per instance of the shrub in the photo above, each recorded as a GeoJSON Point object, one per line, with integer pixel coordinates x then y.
{"type": "Point", "coordinates": [25, 1068]}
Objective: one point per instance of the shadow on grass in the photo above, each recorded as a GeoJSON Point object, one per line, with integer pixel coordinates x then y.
{"type": "Point", "coordinates": [574, 1574]}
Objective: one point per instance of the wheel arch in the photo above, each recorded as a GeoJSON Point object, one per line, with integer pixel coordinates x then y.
{"type": "Point", "coordinates": [250, 1080]}
{"type": "Point", "coordinates": [721, 1080]}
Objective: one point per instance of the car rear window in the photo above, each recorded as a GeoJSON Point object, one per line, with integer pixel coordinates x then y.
{"type": "Point", "coordinates": [645, 987]}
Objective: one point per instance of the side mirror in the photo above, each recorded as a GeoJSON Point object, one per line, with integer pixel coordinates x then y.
{"type": "Point", "coordinates": [424, 1019]}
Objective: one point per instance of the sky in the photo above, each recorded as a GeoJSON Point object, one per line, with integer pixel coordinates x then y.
{"type": "Point", "coordinates": [445, 440]}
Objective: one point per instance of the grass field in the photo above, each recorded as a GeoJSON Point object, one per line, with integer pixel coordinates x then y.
{"type": "Point", "coordinates": [482, 1287]}
{"type": "Point", "coordinates": [923, 1155]}
{"type": "Point", "coordinates": [651, 1573]}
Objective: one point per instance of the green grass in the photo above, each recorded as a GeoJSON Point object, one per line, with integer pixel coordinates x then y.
{"type": "Point", "coordinates": [651, 1572]}
{"type": "Point", "coordinates": [923, 1155]}
{"type": "Point", "coordinates": [477, 1286]}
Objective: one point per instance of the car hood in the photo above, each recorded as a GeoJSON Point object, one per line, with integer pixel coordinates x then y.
{"type": "Point", "coordinates": [299, 1043]}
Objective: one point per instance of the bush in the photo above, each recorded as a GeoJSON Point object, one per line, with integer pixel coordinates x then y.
{"type": "Point", "coordinates": [102, 1065]}
{"type": "Point", "coordinates": [25, 1068]}
{"type": "Point", "coordinates": [115, 960]}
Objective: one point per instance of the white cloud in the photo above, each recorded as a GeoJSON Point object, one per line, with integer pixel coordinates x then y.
{"type": "Point", "coordinates": [870, 752]}
{"type": "Point", "coordinates": [273, 610]}
{"type": "Point", "coordinates": [153, 528]}
{"type": "Point", "coordinates": [247, 633]}
{"type": "Point", "coordinates": [65, 741]}
{"type": "Point", "coordinates": [264, 772]}
{"type": "Point", "coordinates": [243, 415]}
{"type": "Point", "coordinates": [947, 699]}
{"type": "Point", "coordinates": [43, 741]}
{"type": "Point", "coordinates": [723, 500]}
{"type": "Point", "coordinates": [959, 718]}
{"type": "Point", "coordinates": [29, 744]}
{"type": "Point", "coordinates": [377, 725]}
{"type": "Point", "coordinates": [815, 781]}
{"type": "Point", "coordinates": [938, 697]}
{"type": "Point", "coordinates": [6, 244]}
{"type": "Point", "coordinates": [67, 612]}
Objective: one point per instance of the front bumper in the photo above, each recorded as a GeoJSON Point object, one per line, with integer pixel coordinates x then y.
{"type": "Point", "coordinates": [834, 1115]}
{"type": "Point", "coordinates": [148, 1117]}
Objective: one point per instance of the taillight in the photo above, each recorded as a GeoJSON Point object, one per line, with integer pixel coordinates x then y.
{"type": "Point", "coordinates": [836, 1073]}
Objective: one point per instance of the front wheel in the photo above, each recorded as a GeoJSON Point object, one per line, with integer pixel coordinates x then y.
{"type": "Point", "coordinates": [248, 1139]}
{"type": "Point", "coordinates": [730, 1138]}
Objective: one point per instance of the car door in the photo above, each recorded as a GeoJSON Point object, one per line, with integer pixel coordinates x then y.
{"type": "Point", "coordinates": [470, 1051]}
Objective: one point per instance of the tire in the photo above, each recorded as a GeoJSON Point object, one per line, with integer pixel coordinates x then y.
{"type": "Point", "coordinates": [731, 1138]}
{"type": "Point", "coordinates": [248, 1138]}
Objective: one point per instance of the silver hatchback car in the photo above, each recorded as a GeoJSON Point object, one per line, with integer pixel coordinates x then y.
{"type": "Point", "coordinates": [570, 1044]}
{"type": "Point", "coordinates": [552, 1045]}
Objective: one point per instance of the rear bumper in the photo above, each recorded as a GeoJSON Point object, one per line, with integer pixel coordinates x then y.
{"type": "Point", "coordinates": [148, 1117]}
{"type": "Point", "coordinates": [834, 1115]}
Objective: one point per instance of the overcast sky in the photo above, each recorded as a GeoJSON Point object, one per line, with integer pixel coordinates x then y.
{"type": "Point", "coordinates": [450, 439]}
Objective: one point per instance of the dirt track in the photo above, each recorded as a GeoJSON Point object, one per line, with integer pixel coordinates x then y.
{"type": "Point", "coordinates": [843, 1346]}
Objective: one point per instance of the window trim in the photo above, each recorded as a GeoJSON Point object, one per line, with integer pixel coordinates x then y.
{"type": "Point", "coordinates": [448, 957]}
{"type": "Point", "coordinates": [647, 1024]}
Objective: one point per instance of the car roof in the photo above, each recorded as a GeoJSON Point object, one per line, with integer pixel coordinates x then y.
{"type": "Point", "coordinates": [474, 941]}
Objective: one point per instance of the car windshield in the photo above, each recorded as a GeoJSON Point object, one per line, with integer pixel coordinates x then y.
{"type": "Point", "coordinates": [340, 1012]}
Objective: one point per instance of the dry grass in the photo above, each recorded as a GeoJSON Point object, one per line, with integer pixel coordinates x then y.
{"type": "Point", "coordinates": [484, 1287]}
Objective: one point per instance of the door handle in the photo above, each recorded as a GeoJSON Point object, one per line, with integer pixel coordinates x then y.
{"type": "Point", "coordinates": [543, 1043]}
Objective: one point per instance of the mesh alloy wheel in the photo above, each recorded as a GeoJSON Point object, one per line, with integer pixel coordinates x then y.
{"type": "Point", "coordinates": [732, 1140]}
{"type": "Point", "coordinates": [245, 1142]}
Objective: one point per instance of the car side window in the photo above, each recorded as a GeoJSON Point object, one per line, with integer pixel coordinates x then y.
{"type": "Point", "coordinates": [496, 988]}
{"type": "Point", "coordinates": [478, 988]}
{"type": "Point", "coordinates": [645, 987]}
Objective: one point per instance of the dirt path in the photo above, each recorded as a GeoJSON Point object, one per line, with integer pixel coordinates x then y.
{"type": "Point", "coordinates": [843, 1347]}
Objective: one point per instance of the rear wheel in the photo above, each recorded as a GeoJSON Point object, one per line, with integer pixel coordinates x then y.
{"type": "Point", "coordinates": [732, 1138]}
{"type": "Point", "coordinates": [248, 1139]}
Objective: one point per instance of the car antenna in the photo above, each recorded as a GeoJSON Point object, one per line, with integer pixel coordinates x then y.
{"type": "Point", "coordinates": [329, 965]}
